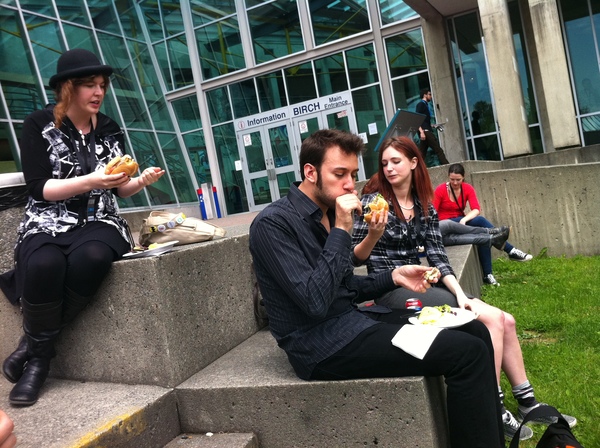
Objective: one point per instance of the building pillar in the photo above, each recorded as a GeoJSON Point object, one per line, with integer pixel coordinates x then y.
{"type": "Point", "coordinates": [504, 78]}
{"type": "Point", "coordinates": [443, 87]}
{"type": "Point", "coordinates": [550, 74]}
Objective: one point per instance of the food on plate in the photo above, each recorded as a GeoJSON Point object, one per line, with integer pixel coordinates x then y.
{"type": "Point", "coordinates": [124, 164]}
{"type": "Point", "coordinates": [431, 275]}
{"type": "Point", "coordinates": [431, 315]}
{"type": "Point", "coordinates": [375, 207]}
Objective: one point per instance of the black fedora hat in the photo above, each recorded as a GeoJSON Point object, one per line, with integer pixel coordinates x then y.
{"type": "Point", "coordinates": [78, 63]}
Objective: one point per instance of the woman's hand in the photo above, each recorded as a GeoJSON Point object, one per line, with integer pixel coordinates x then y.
{"type": "Point", "coordinates": [377, 225]}
{"type": "Point", "coordinates": [150, 175]}
{"type": "Point", "coordinates": [412, 277]}
{"type": "Point", "coordinates": [474, 305]}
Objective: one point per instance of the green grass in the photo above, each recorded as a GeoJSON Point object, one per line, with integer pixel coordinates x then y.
{"type": "Point", "coordinates": [556, 302]}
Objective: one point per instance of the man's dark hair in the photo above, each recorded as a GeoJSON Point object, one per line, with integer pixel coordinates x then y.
{"type": "Point", "coordinates": [316, 145]}
{"type": "Point", "coordinates": [423, 92]}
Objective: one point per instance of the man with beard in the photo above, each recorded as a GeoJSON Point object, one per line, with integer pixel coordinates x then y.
{"type": "Point", "coordinates": [301, 247]}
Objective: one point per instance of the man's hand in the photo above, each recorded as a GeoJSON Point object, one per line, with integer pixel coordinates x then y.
{"type": "Point", "coordinates": [345, 206]}
{"type": "Point", "coordinates": [412, 277]}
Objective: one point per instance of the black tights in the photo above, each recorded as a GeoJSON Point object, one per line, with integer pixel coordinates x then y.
{"type": "Point", "coordinates": [49, 271]}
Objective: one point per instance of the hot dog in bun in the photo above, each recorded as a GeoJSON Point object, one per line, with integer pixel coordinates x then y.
{"type": "Point", "coordinates": [123, 164]}
{"type": "Point", "coordinates": [375, 207]}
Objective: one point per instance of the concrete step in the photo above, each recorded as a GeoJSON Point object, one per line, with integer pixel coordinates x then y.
{"type": "Point", "coordinates": [214, 441]}
{"type": "Point", "coordinates": [254, 389]}
{"type": "Point", "coordinates": [84, 414]}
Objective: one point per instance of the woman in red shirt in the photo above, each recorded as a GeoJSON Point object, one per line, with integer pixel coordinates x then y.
{"type": "Point", "coordinates": [450, 201]}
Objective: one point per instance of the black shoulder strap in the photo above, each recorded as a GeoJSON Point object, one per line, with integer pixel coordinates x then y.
{"type": "Point", "coordinates": [541, 411]}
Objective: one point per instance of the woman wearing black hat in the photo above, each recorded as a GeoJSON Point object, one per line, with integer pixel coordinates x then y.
{"type": "Point", "coordinates": [71, 232]}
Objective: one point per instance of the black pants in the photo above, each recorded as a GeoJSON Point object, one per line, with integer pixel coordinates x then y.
{"type": "Point", "coordinates": [431, 140]}
{"type": "Point", "coordinates": [464, 356]}
{"type": "Point", "coordinates": [49, 271]}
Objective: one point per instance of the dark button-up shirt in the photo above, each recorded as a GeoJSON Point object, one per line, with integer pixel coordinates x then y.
{"type": "Point", "coordinates": [307, 281]}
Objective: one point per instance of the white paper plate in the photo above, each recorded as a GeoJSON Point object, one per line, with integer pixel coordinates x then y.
{"type": "Point", "coordinates": [449, 320]}
{"type": "Point", "coordinates": [163, 248]}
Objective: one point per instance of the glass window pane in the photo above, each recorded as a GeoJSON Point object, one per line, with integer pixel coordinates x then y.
{"type": "Point", "coordinates": [196, 147]}
{"type": "Point", "coordinates": [163, 19]}
{"type": "Point", "coordinates": [394, 11]}
{"type": "Point", "coordinates": [487, 148]}
{"type": "Point", "coordinates": [368, 105]}
{"type": "Point", "coordinates": [179, 59]}
{"type": "Point", "coordinates": [151, 90]}
{"type": "Point", "coordinates": [131, 102]}
{"type": "Point", "coordinates": [73, 11]}
{"type": "Point", "coordinates": [333, 20]}
{"type": "Point", "coordinates": [187, 113]}
{"type": "Point", "coordinates": [244, 98]}
{"type": "Point", "coordinates": [220, 48]}
{"type": "Point", "coordinates": [21, 90]}
{"type": "Point", "coordinates": [204, 12]}
{"type": "Point", "coordinates": [331, 74]}
{"type": "Point", "coordinates": [177, 168]}
{"type": "Point", "coordinates": [271, 92]}
{"type": "Point", "coordinates": [219, 106]}
{"type": "Point", "coordinates": [275, 30]}
{"type": "Point", "coordinates": [300, 82]}
{"type": "Point", "coordinates": [406, 91]}
{"type": "Point", "coordinates": [41, 7]}
{"type": "Point", "coordinates": [361, 66]}
{"type": "Point", "coordinates": [130, 20]}
{"type": "Point", "coordinates": [233, 181]}
{"type": "Point", "coordinates": [591, 129]}
{"type": "Point", "coordinates": [104, 16]}
{"type": "Point", "coordinates": [146, 153]}
{"type": "Point", "coordinates": [406, 53]}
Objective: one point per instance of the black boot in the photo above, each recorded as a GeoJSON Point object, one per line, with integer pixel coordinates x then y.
{"type": "Point", "coordinates": [73, 304]}
{"type": "Point", "coordinates": [12, 368]}
{"type": "Point", "coordinates": [41, 323]}
{"type": "Point", "coordinates": [499, 239]}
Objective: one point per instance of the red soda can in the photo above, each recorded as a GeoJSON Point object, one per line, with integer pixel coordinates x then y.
{"type": "Point", "coordinates": [414, 304]}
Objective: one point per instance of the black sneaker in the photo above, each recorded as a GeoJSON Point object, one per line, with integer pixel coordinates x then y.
{"type": "Point", "coordinates": [518, 255]}
{"type": "Point", "coordinates": [490, 280]}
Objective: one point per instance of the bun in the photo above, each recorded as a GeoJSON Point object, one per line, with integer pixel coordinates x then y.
{"type": "Point", "coordinates": [375, 207]}
{"type": "Point", "coordinates": [124, 164]}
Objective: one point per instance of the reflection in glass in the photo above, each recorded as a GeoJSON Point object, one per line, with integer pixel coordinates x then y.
{"type": "Point", "coordinates": [130, 21]}
{"type": "Point", "coordinates": [41, 7]}
{"type": "Point", "coordinates": [177, 168]}
{"type": "Point", "coordinates": [406, 53]}
{"type": "Point", "coordinates": [331, 74]}
{"type": "Point", "coordinates": [271, 92]}
{"type": "Point", "coordinates": [361, 66]}
{"type": "Point", "coordinates": [535, 135]}
{"type": "Point", "coordinates": [220, 48]}
{"type": "Point", "coordinates": [280, 146]}
{"type": "Point", "coordinates": [406, 91]}
{"type": "Point", "coordinates": [308, 127]}
{"type": "Point", "coordinates": [103, 16]}
{"type": "Point", "coordinates": [244, 98]}
{"type": "Point", "coordinates": [284, 181]}
{"type": "Point", "coordinates": [591, 129]}
{"type": "Point", "coordinates": [333, 20]}
{"type": "Point", "coordinates": [219, 105]}
{"type": "Point", "coordinates": [202, 13]}
{"type": "Point", "coordinates": [300, 83]}
{"type": "Point", "coordinates": [275, 30]}
{"type": "Point", "coordinates": [8, 154]}
{"type": "Point", "coordinates": [394, 11]}
{"type": "Point", "coordinates": [487, 148]}
{"type": "Point", "coordinates": [187, 113]}
{"type": "Point", "coordinates": [368, 106]}
{"type": "Point", "coordinates": [261, 191]}
{"type": "Point", "coordinates": [73, 11]}
{"type": "Point", "coordinates": [129, 97]}
{"type": "Point", "coordinates": [339, 120]}
{"type": "Point", "coordinates": [232, 179]}
{"type": "Point", "coordinates": [162, 21]}
{"type": "Point", "coordinates": [196, 147]}
{"type": "Point", "coordinates": [255, 158]}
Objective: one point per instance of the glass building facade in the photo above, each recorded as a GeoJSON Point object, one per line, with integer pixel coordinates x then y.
{"type": "Point", "coordinates": [222, 93]}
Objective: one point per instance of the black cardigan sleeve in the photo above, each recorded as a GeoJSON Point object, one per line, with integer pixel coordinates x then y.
{"type": "Point", "coordinates": [34, 153]}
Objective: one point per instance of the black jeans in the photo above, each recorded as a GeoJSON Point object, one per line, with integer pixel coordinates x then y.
{"type": "Point", "coordinates": [432, 141]}
{"type": "Point", "coordinates": [463, 355]}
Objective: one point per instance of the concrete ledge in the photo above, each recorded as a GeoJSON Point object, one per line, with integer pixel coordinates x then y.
{"type": "Point", "coordinates": [214, 441]}
{"type": "Point", "coordinates": [156, 320]}
{"type": "Point", "coordinates": [254, 389]}
{"type": "Point", "coordinates": [85, 415]}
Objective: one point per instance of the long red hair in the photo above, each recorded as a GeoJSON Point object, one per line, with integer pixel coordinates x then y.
{"type": "Point", "coordinates": [421, 186]}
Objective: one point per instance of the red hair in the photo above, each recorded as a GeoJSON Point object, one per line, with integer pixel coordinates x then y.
{"type": "Point", "coordinates": [421, 185]}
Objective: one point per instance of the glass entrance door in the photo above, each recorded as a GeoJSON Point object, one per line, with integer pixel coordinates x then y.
{"type": "Point", "coordinates": [341, 118]}
{"type": "Point", "coordinates": [268, 164]}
